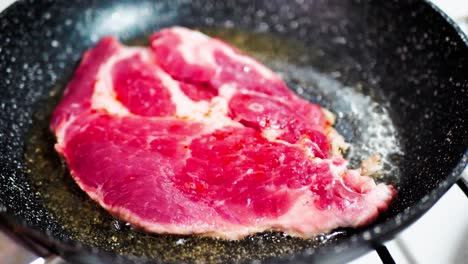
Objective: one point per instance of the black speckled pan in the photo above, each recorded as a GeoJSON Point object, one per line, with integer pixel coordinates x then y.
{"type": "Point", "coordinates": [395, 72]}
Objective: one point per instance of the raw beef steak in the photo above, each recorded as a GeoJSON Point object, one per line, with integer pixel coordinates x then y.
{"type": "Point", "coordinates": [191, 136]}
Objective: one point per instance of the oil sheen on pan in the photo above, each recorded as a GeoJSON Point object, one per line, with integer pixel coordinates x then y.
{"type": "Point", "coordinates": [190, 136]}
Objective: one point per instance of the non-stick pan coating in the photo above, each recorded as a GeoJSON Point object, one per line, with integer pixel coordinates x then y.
{"type": "Point", "coordinates": [403, 54]}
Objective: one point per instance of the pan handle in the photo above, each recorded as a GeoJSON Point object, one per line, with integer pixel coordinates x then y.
{"type": "Point", "coordinates": [384, 254]}
{"type": "Point", "coordinates": [463, 184]}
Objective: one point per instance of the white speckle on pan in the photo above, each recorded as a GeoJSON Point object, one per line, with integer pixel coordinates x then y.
{"type": "Point", "coordinates": [339, 40]}
{"type": "Point", "coordinates": [263, 27]}
{"type": "Point", "coordinates": [366, 235]}
{"type": "Point", "coordinates": [293, 24]}
{"type": "Point", "coordinates": [228, 24]}
{"type": "Point", "coordinates": [54, 43]}
{"type": "Point", "coordinates": [209, 20]}
{"type": "Point", "coordinates": [260, 13]}
{"type": "Point", "coordinates": [377, 230]}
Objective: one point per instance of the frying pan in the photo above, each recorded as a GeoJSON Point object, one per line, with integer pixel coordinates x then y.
{"type": "Point", "coordinates": [401, 64]}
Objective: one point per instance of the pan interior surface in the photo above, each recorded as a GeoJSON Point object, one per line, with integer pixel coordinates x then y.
{"type": "Point", "coordinates": [393, 72]}
{"type": "Point", "coordinates": [362, 120]}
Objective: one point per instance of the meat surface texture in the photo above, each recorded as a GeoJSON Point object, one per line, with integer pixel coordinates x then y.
{"type": "Point", "coordinates": [190, 136]}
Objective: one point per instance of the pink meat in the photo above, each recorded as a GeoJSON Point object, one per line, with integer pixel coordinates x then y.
{"type": "Point", "coordinates": [192, 137]}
